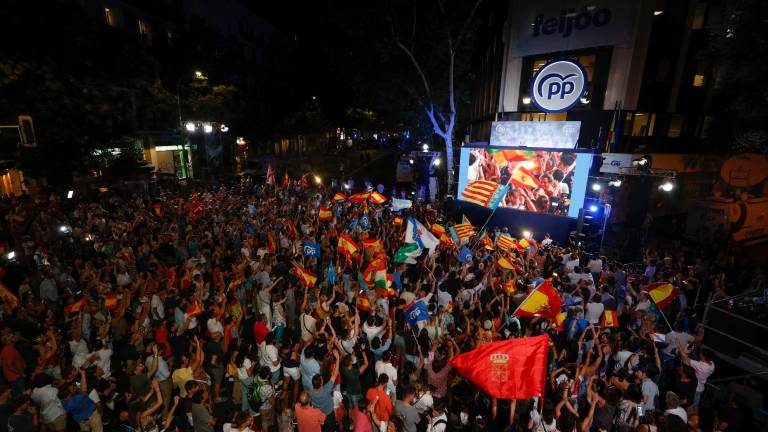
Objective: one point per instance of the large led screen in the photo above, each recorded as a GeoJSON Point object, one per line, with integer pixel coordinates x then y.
{"type": "Point", "coordinates": [540, 181]}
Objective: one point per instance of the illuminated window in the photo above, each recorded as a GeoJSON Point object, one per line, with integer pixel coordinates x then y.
{"type": "Point", "coordinates": [698, 80]}
{"type": "Point", "coordinates": [110, 18]}
{"type": "Point", "coordinates": [587, 62]}
{"type": "Point", "coordinates": [145, 31]}
{"type": "Point", "coordinates": [675, 126]}
{"type": "Point", "coordinates": [537, 116]}
{"type": "Point", "coordinates": [642, 124]}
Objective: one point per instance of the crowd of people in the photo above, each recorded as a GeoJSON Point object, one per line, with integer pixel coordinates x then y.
{"type": "Point", "coordinates": [193, 312]}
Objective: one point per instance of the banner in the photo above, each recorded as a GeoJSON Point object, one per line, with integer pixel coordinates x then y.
{"type": "Point", "coordinates": [536, 134]}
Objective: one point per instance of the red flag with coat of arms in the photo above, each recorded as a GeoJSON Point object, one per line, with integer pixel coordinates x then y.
{"type": "Point", "coordinates": [510, 369]}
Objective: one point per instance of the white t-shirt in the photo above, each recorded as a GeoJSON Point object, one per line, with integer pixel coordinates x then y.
{"type": "Point", "coordinates": [214, 326]}
{"type": "Point", "coordinates": [47, 398]}
{"type": "Point", "coordinates": [595, 265]}
{"type": "Point", "coordinates": [387, 368]}
{"type": "Point", "coordinates": [680, 412]}
{"type": "Point", "coordinates": [79, 352]}
{"type": "Point", "coordinates": [268, 354]}
{"type": "Point", "coordinates": [594, 312]}
{"type": "Point", "coordinates": [539, 425]}
{"type": "Point", "coordinates": [372, 331]}
{"type": "Point", "coordinates": [242, 371]}
{"type": "Point", "coordinates": [157, 305]}
{"type": "Point", "coordinates": [104, 361]}
{"type": "Point", "coordinates": [703, 371]}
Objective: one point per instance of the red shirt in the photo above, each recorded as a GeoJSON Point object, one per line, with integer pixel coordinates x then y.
{"type": "Point", "coordinates": [360, 421]}
{"type": "Point", "coordinates": [309, 419]}
{"type": "Point", "coordinates": [384, 408]}
{"type": "Point", "coordinates": [12, 363]}
{"type": "Point", "coordinates": [260, 331]}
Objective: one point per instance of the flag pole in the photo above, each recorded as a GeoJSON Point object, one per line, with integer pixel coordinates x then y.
{"type": "Point", "coordinates": [661, 312]}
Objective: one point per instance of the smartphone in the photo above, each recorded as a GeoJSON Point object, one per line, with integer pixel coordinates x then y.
{"type": "Point", "coordinates": [639, 411]}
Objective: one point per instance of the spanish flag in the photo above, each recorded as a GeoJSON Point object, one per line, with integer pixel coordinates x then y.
{"type": "Point", "coordinates": [347, 246]}
{"type": "Point", "coordinates": [110, 301]}
{"type": "Point", "coordinates": [372, 244]}
{"type": "Point", "coordinates": [523, 243]}
{"type": "Point", "coordinates": [304, 181]}
{"type": "Point", "coordinates": [662, 293]}
{"type": "Point", "coordinates": [524, 178]}
{"type": "Point", "coordinates": [338, 197]}
{"type": "Point", "coordinates": [609, 319]}
{"type": "Point", "coordinates": [378, 198]}
{"type": "Point", "coordinates": [75, 307]}
{"type": "Point", "coordinates": [271, 243]}
{"type": "Point", "coordinates": [195, 309]}
{"type": "Point", "coordinates": [437, 229]}
{"type": "Point", "coordinates": [560, 319]}
{"type": "Point", "coordinates": [542, 301]}
{"type": "Point", "coordinates": [285, 182]}
{"type": "Point", "coordinates": [363, 303]}
{"type": "Point", "coordinates": [510, 286]}
{"type": "Point", "coordinates": [325, 214]}
{"type": "Point", "coordinates": [359, 197]}
{"type": "Point", "coordinates": [290, 227]}
{"type": "Point", "coordinates": [308, 279]}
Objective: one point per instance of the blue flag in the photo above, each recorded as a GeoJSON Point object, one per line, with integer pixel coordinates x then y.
{"type": "Point", "coordinates": [465, 255]}
{"type": "Point", "coordinates": [417, 312]}
{"type": "Point", "coordinates": [331, 274]}
{"type": "Point", "coordinates": [352, 224]}
{"type": "Point", "coordinates": [312, 249]}
{"type": "Point", "coordinates": [365, 223]}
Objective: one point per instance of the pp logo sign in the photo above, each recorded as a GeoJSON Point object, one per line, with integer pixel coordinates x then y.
{"type": "Point", "coordinates": [558, 85]}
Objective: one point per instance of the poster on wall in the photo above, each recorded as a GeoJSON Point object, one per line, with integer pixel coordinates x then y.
{"type": "Point", "coordinates": [539, 134]}
{"type": "Point", "coordinates": [540, 181]}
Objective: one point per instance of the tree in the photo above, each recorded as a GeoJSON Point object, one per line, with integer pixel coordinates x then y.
{"type": "Point", "coordinates": [450, 33]}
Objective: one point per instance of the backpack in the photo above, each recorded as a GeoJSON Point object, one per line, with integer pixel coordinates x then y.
{"type": "Point", "coordinates": [254, 393]}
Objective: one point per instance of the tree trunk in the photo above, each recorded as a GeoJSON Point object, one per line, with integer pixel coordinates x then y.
{"type": "Point", "coordinates": [449, 162]}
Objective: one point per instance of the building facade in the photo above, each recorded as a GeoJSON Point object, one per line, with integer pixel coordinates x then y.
{"type": "Point", "coordinates": [640, 56]}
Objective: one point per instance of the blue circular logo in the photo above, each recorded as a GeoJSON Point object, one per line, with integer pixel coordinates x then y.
{"type": "Point", "coordinates": [558, 85]}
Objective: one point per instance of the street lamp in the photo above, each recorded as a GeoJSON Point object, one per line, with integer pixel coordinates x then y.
{"type": "Point", "coordinates": [318, 180]}
{"type": "Point", "coordinates": [190, 127]}
{"type": "Point", "coordinates": [207, 128]}
{"type": "Point", "coordinates": [224, 128]}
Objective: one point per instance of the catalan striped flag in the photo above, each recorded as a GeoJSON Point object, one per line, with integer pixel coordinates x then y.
{"type": "Point", "coordinates": [464, 230]}
{"type": "Point", "coordinates": [609, 319]}
{"type": "Point", "coordinates": [437, 229]}
{"type": "Point", "coordinates": [308, 279]}
{"type": "Point", "coordinates": [484, 193]}
{"type": "Point", "coordinates": [338, 197]}
{"type": "Point", "coordinates": [506, 243]}
{"type": "Point", "coordinates": [662, 293]}
{"type": "Point", "coordinates": [325, 214]}
{"type": "Point", "coordinates": [347, 246]}
{"type": "Point", "coordinates": [543, 301]}
{"type": "Point", "coordinates": [486, 241]}
{"type": "Point", "coordinates": [377, 198]}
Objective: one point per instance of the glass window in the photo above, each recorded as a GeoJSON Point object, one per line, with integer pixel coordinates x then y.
{"type": "Point", "coordinates": [587, 61]}
{"type": "Point", "coordinates": [626, 128]}
{"type": "Point", "coordinates": [698, 80]}
{"type": "Point", "coordinates": [640, 124]}
{"type": "Point", "coordinates": [675, 126]}
{"type": "Point", "coordinates": [110, 18]}
{"type": "Point", "coordinates": [537, 116]}
{"type": "Point", "coordinates": [698, 16]}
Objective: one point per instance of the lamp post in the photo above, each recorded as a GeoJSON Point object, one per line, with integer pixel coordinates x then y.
{"type": "Point", "coordinates": [198, 75]}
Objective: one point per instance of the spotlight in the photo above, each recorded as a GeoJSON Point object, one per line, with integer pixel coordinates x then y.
{"type": "Point", "coordinates": [224, 128]}
{"type": "Point", "coordinates": [70, 194]}
{"type": "Point", "coordinates": [410, 161]}
{"type": "Point", "coordinates": [199, 75]}
{"type": "Point", "coordinates": [615, 183]}
{"type": "Point", "coordinates": [346, 186]}
{"type": "Point", "coordinates": [436, 162]}
{"type": "Point", "coordinates": [526, 100]}
{"type": "Point", "coordinates": [318, 180]}
{"type": "Point", "coordinates": [643, 164]}
{"type": "Point", "coordinates": [596, 187]}
{"type": "Point", "coordinates": [425, 147]}
{"type": "Point", "coordinates": [667, 186]}
{"type": "Point", "coordinates": [593, 208]}
{"type": "Point", "coordinates": [190, 127]}
{"type": "Point", "coordinates": [10, 255]}
{"type": "Point", "coordinates": [65, 229]}
{"type": "Point", "coordinates": [526, 234]}
{"type": "Point", "coordinates": [207, 128]}
{"type": "Point", "coordinates": [585, 99]}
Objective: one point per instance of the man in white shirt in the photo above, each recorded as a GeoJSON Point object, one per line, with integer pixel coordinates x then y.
{"type": "Point", "coordinates": [673, 337]}
{"type": "Point", "coordinates": [438, 421]}
{"type": "Point", "coordinates": [674, 408]}
{"type": "Point", "coordinates": [384, 366]}
{"type": "Point", "coordinates": [46, 396]}
{"type": "Point", "coordinates": [704, 367]}
{"type": "Point", "coordinates": [157, 306]}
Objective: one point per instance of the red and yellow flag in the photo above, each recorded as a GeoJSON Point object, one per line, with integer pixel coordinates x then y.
{"type": "Point", "coordinates": [506, 243]}
{"type": "Point", "coordinates": [110, 301]}
{"type": "Point", "coordinates": [338, 197]}
{"type": "Point", "coordinates": [542, 301]}
{"type": "Point", "coordinates": [524, 178]}
{"type": "Point", "coordinates": [347, 246]}
{"type": "Point", "coordinates": [75, 307]}
{"type": "Point", "coordinates": [325, 214]}
{"type": "Point", "coordinates": [195, 309]}
{"type": "Point", "coordinates": [363, 303]}
{"type": "Point", "coordinates": [305, 181]}
{"type": "Point", "coordinates": [308, 279]}
{"type": "Point", "coordinates": [372, 244]}
{"type": "Point", "coordinates": [285, 182]}
{"type": "Point", "coordinates": [397, 221]}
{"type": "Point", "coordinates": [560, 319]}
{"type": "Point", "coordinates": [510, 286]}
{"type": "Point", "coordinates": [359, 197]}
{"type": "Point", "coordinates": [378, 198]}
{"type": "Point", "coordinates": [271, 243]}
{"type": "Point", "coordinates": [609, 319]}
{"type": "Point", "coordinates": [505, 263]}
{"type": "Point", "coordinates": [290, 229]}
{"type": "Point", "coordinates": [662, 293]}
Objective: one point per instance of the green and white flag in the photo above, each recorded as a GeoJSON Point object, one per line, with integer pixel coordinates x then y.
{"type": "Point", "coordinates": [408, 253]}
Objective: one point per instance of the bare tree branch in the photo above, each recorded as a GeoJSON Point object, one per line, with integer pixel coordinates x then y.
{"type": "Point", "coordinates": [410, 55]}
{"type": "Point", "coordinates": [468, 21]}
